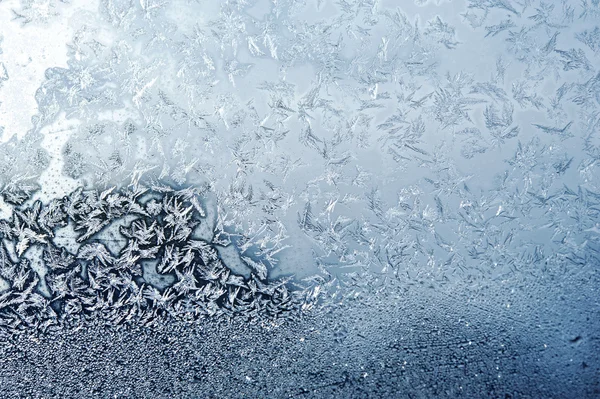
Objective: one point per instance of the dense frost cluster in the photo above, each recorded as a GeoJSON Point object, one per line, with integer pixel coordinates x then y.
{"type": "Point", "coordinates": [94, 283]}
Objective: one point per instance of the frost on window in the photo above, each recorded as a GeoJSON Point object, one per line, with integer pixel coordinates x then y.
{"type": "Point", "coordinates": [300, 198]}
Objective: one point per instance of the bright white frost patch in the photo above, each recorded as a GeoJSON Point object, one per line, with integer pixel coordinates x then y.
{"type": "Point", "coordinates": [27, 53]}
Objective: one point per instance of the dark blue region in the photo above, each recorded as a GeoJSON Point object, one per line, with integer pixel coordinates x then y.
{"type": "Point", "coordinates": [421, 344]}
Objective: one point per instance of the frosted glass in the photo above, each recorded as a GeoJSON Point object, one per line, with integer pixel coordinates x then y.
{"type": "Point", "coordinates": [300, 198]}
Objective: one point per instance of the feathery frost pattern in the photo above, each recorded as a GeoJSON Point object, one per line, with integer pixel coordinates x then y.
{"type": "Point", "coordinates": [95, 282]}
{"type": "Point", "coordinates": [281, 160]}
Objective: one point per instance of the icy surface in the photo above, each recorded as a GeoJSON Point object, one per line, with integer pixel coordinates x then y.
{"type": "Point", "coordinates": [171, 165]}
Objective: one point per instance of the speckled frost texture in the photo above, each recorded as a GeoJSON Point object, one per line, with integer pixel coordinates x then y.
{"type": "Point", "coordinates": [312, 198]}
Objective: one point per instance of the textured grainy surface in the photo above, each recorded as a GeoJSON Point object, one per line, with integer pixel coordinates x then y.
{"type": "Point", "coordinates": [445, 346]}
